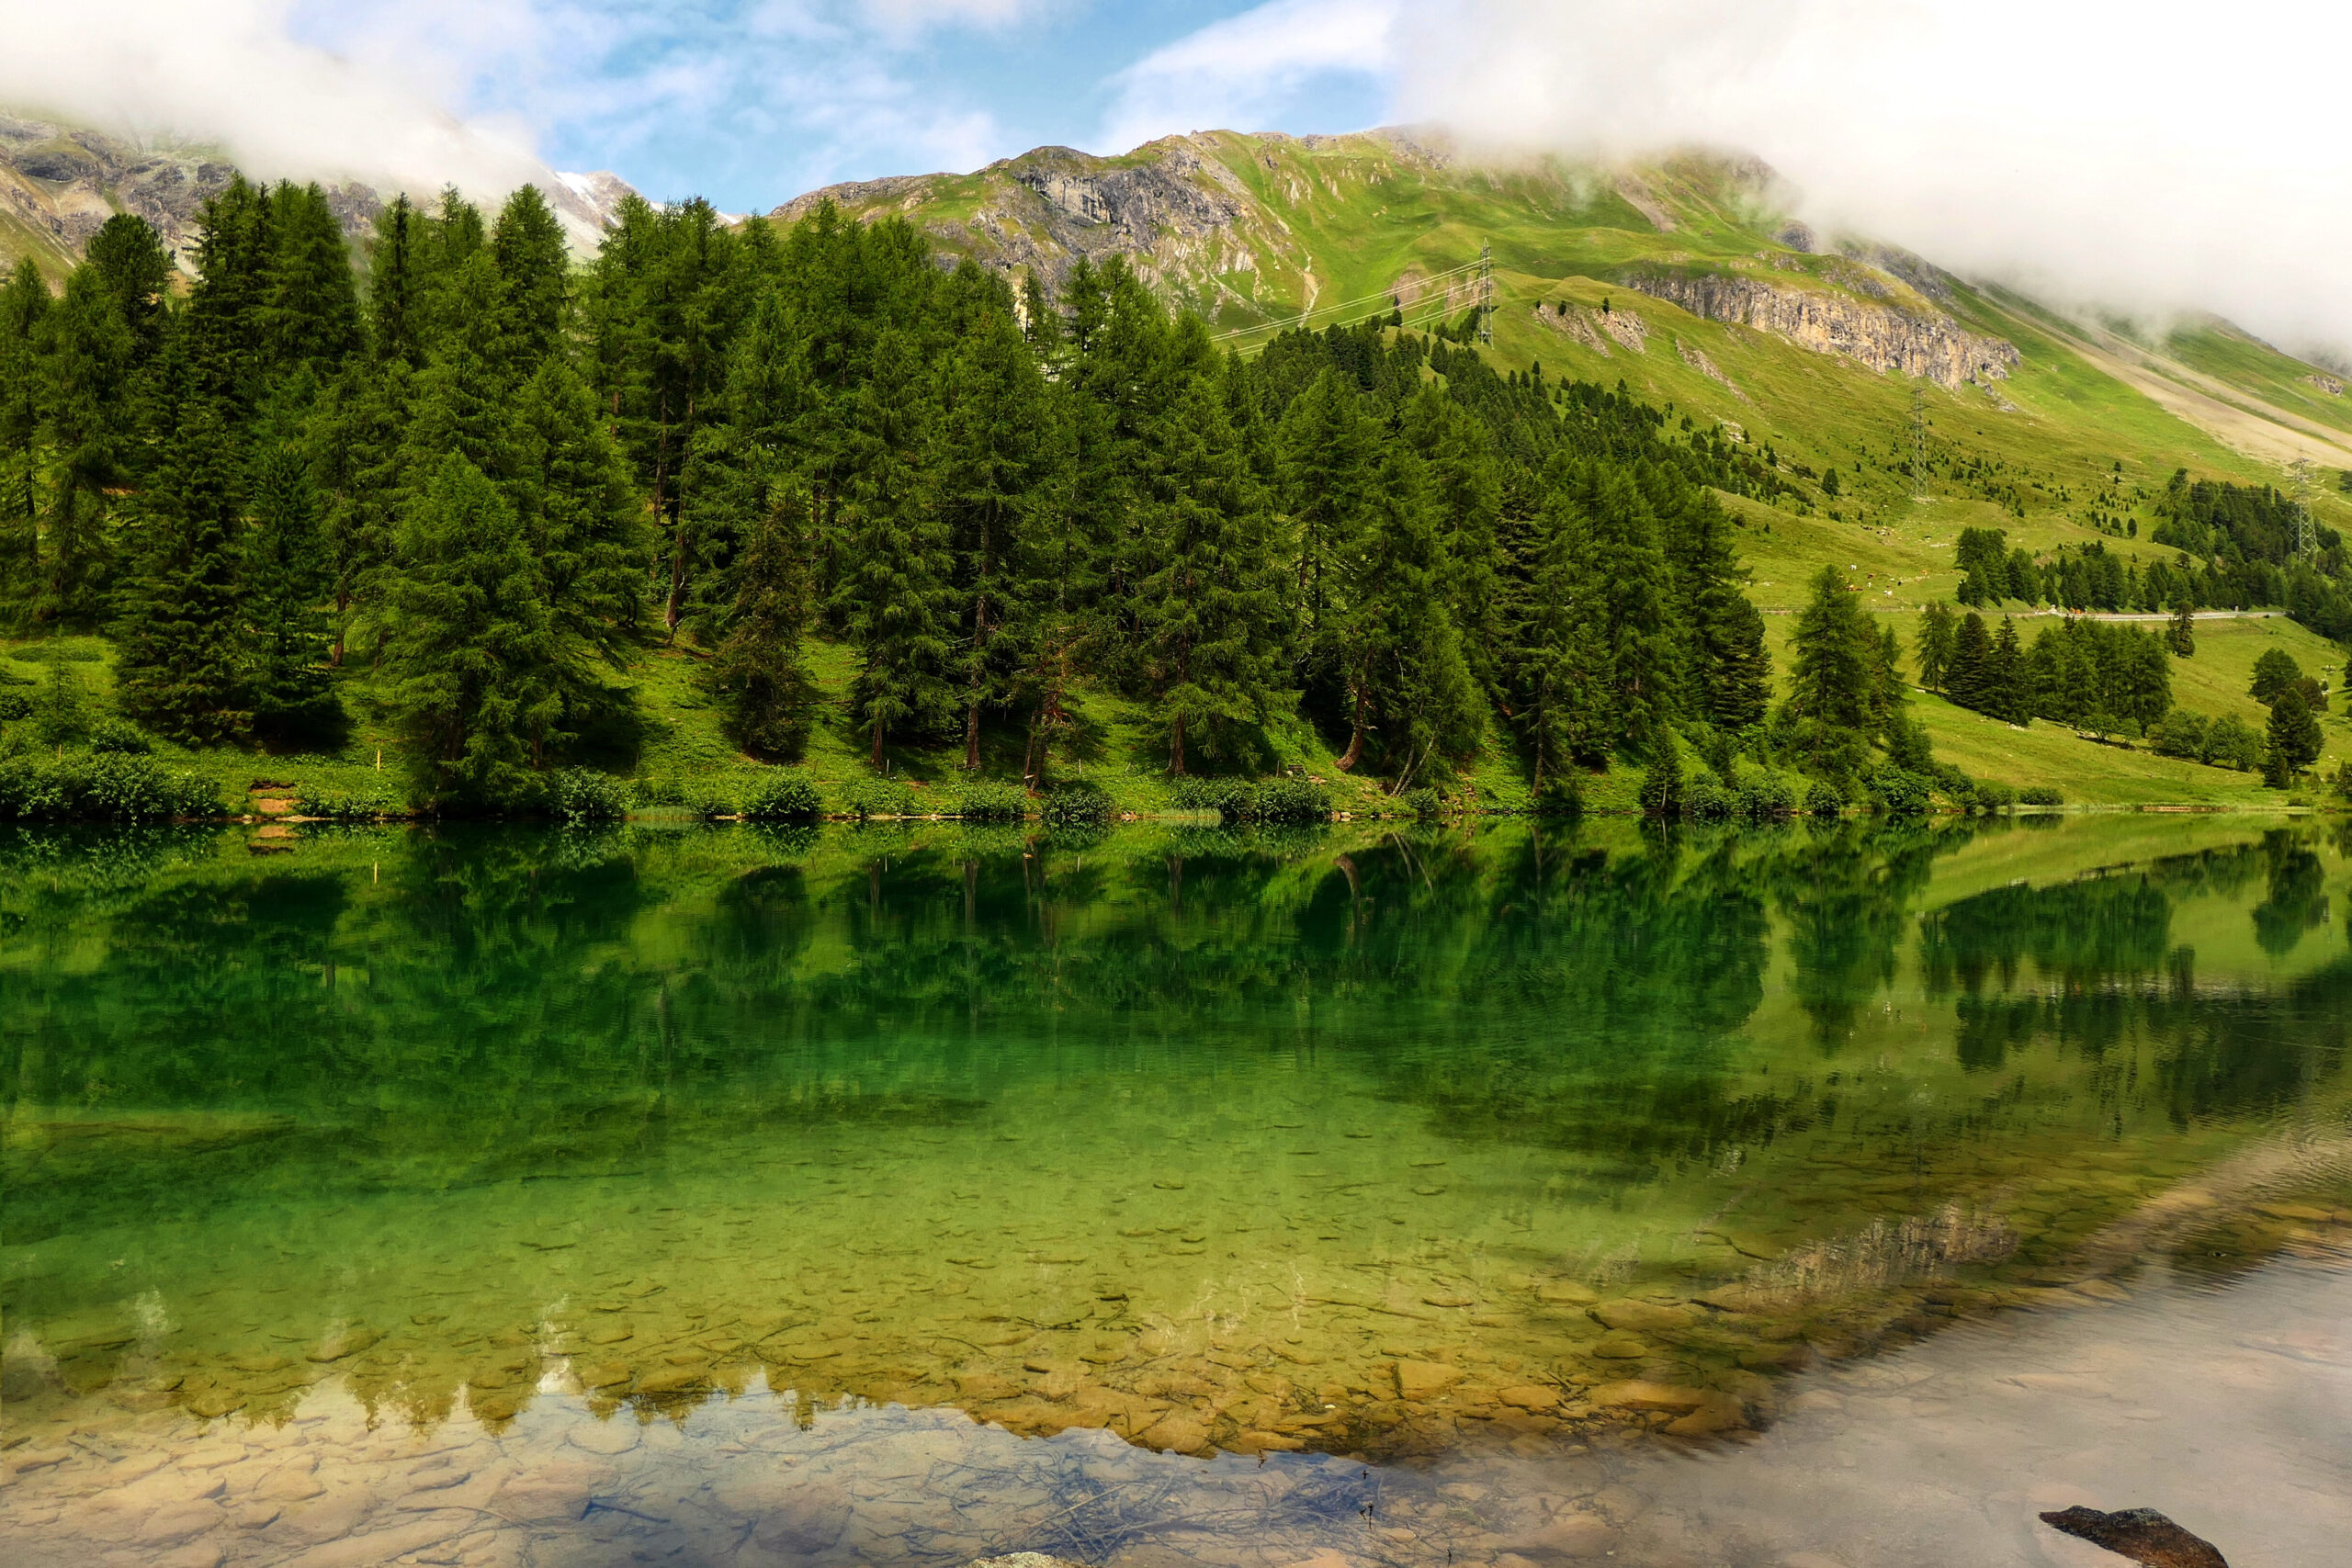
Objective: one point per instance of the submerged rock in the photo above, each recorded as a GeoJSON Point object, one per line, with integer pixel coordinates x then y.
{"type": "Point", "coordinates": [2141, 1534]}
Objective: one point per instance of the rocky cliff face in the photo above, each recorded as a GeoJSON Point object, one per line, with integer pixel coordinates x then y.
{"type": "Point", "coordinates": [59, 184]}
{"type": "Point", "coordinates": [1179, 216]}
{"type": "Point", "coordinates": [1174, 207]}
{"type": "Point", "coordinates": [1878, 335]}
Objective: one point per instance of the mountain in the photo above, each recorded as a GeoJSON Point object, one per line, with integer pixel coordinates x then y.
{"type": "Point", "coordinates": [58, 184]}
{"type": "Point", "coordinates": [1684, 275]}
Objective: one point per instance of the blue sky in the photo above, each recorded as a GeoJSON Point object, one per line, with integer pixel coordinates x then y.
{"type": "Point", "coordinates": [750, 102]}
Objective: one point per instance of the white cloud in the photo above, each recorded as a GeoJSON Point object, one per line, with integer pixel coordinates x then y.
{"type": "Point", "coordinates": [233, 74]}
{"type": "Point", "coordinates": [1232, 74]}
{"type": "Point", "coordinates": [2154, 158]}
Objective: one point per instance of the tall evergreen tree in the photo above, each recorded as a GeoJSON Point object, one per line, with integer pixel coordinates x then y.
{"type": "Point", "coordinates": [182, 670]}
{"type": "Point", "coordinates": [1403, 658]}
{"type": "Point", "coordinates": [988, 459]}
{"type": "Point", "coordinates": [472, 652]}
{"type": "Point", "coordinates": [570, 491]}
{"type": "Point", "coordinates": [2181, 635]}
{"type": "Point", "coordinates": [1967, 677]}
{"type": "Point", "coordinates": [1327, 448]}
{"type": "Point", "coordinates": [90, 354]}
{"type": "Point", "coordinates": [309, 305]}
{"type": "Point", "coordinates": [23, 307]}
{"type": "Point", "coordinates": [895, 594]}
{"type": "Point", "coordinates": [1938, 633]}
{"type": "Point", "coordinates": [131, 261]}
{"type": "Point", "coordinates": [758, 667]}
{"type": "Point", "coordinates": [1208, 613]}
{"type": "Point", "coordinates": [2008, 694]}
{"type": "Point", "coordinates": [534, 269]}
{"type": "Point", "coordinates": [284, 584]}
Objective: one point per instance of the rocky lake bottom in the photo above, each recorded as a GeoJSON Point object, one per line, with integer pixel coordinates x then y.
{"type": "Point", "coordinates": [1799, 1199]}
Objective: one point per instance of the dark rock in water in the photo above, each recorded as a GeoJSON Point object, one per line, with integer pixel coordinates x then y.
{"type": "Point", "coordinates": [2141, 1534]}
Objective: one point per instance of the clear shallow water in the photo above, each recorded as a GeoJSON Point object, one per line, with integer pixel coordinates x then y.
{"type": "Point", "coordinates": [591, 1197]}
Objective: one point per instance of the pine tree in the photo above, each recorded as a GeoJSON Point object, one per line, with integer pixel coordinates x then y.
{"type": "Point", "coordinates": [1466, 492]}
{"type": "Point", "coordinates": [2181, 635]}
{"type": "Point", "coordinates": [130, 259]}
{"type": "Point", "coordinates": [2293, 732]}
{"type": "Point", "coordinates": [309, 306]}
{"type": "Point", "coordinates": [1936, 648]}
{"type": "Point", "coordinates": [1718, 661]}
{"type": "Point", "coordinates": [23, 307]}
{"type": "Point", "coordinates": [472, 653]}
{"type": "Point", "coordinates": [1966, 677]}
{"type": "Point", "coordinates": [359, 432]}
{"type": "Point", "coordinates": [1208, 614]}
{"type": "Point", "coordinates": [758, 666]}
{"type": "Point", "coordinates": [1401, 657]}
{"type": "Point", "coordinates": [284, 583]}
{"type": "Point", "coordinates": [571, 492]}
{"type": "Point", "coordinates": [1833, 656]}
{"type": "Point", "coordinates": [182, 670]}
{"type": "Point", "coordinates": [1557, 656]}
{"type": "Point", "coordinates": [987, 457]}
{"type": "Point", "coordinates": [1326, 446]}
{"type": "Point", "coordinates": [2009, 694]}
{"type": "Point", "coordinates": [90, 362]}
{"type": "Point", "coordinates": [533, 272]}
{"type": "Point", "coordinates": [894, 595]}
{"type": "Point", "coordinates": [393, 320]}
{"type": "Point", "coordinates": [459, 403]}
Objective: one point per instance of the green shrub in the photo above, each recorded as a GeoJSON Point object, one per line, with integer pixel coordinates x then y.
{"type": "Point", "coordinates": [1662, 787]}
{"type": "Point", "coordinates": [104, 788]}
{"type": "Point", "coordinates": [2179, 733]}
{"type": "Point", "coordinates": [15, 705]}
{"type": "Point", "coordinates": [1192, 793]}
{"type": "Point", "coordinates": [1994, 796]}
{"type": "Point", "coordinates": [1764, 794]}
{"type": "Point", "coordinates": [1954, 785]}
{"type": "Point", "coordinates": [991, 803]}
{"type": "Point", "coordinates": [777, 795]}
{"type": "Point", "coordinates": [1562, 794]}
{"type": "Point", "coordinates": [868, 798]}
{"type": "Point", "coordinates": [1705, 799]}
{"type": "Point", "coordinates": [120, 737]}
{"type": "Point", "coordinates": [1074, 803]}
{"type": "Point", "coordinates": [1290, 800]}
{"type": "Point", "coordinates": [2039, 795]}
{"type": "Point", "coordinates": [334, 806]}
{"type": "Point", "coordinates": [583, 794]}
{"type": "Point", "coordinates": [2231, 742]}
{"type": "Point", "coordinates": [1425, 804]}
{"type": "Point", "coordinates": [1822, 798]}
{"type": "Point", "coordinates": [1897, 792]}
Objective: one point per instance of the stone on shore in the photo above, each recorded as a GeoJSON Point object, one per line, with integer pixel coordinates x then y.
{"type": "Point", "coordinates": [2141, 1534]}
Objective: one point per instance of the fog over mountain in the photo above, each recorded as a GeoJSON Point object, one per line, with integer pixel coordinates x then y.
{"type": "Point", "coordinates": [2177, 160]}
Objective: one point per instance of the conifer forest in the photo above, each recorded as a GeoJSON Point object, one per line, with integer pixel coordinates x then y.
{"type": "Point", "coordinates": [483, 473]}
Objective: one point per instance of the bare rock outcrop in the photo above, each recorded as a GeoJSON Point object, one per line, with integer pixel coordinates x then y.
{"type": "Point", "coordinates": [2144, 1535]}
{"type": "Point", "coordinates": [1881, 336]}
{"type": "Point", "coordinates": [61, 183]}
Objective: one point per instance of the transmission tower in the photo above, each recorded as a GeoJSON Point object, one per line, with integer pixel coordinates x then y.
{"type": "Point", "coordinates": [1918, 444]}
{"type": "Point", "coordinates": [1486, 293]}
{"type": "Point", "coordinates": [2306, 531]}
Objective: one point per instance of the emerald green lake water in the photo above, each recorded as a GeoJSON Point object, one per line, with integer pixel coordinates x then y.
{"type": "Point", "coordinates": [908, 1194]}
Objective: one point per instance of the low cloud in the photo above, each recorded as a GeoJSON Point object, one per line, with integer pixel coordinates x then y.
{"type": "Point", "coordinates": [233, 73]}
{"type": "Point", "coordinates": [2159, 159]}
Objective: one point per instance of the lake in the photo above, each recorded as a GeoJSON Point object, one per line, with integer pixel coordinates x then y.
{"type": "Point", "coordinates": [1824, 1194]}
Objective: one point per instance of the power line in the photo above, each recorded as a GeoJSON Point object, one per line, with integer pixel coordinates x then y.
{"type": "Point", "coordinates": [2306, 531]}
{"type": "Point", "coordinates": [1918, 444]}
{"type": "Point", "coordinates": [1485, 292]}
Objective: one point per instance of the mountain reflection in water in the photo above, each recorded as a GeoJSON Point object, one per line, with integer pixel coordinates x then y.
{"type": "Point", "coordinates": [1506, 1146]}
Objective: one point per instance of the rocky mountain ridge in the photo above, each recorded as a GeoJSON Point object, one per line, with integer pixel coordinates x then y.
{"type": "Point", "coordinates": [58, 184]}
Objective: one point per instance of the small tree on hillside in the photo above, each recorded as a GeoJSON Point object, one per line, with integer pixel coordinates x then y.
{"type": "Point", "coordinates": [2274, 674]}
{"type": "Point", "coordinates": [2181, 635]}
{"type": "Point", "coordinates": [1937, 629]}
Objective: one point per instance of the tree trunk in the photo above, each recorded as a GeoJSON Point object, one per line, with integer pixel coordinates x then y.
{"type": "Point", "coordinates": [1355, 739]}
{"type": "Point", "coordinates": [1176, 748]}
{"type": "Point", "coordinates": [878, 744]}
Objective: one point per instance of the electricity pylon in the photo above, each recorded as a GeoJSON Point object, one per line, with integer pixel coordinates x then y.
{"type": "Point", "coordinates": [2306, 531]}
{"type": "Point", "coordinates": [1918, 444]}
{"type": "Point", "coordinates": [1486, 293]}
